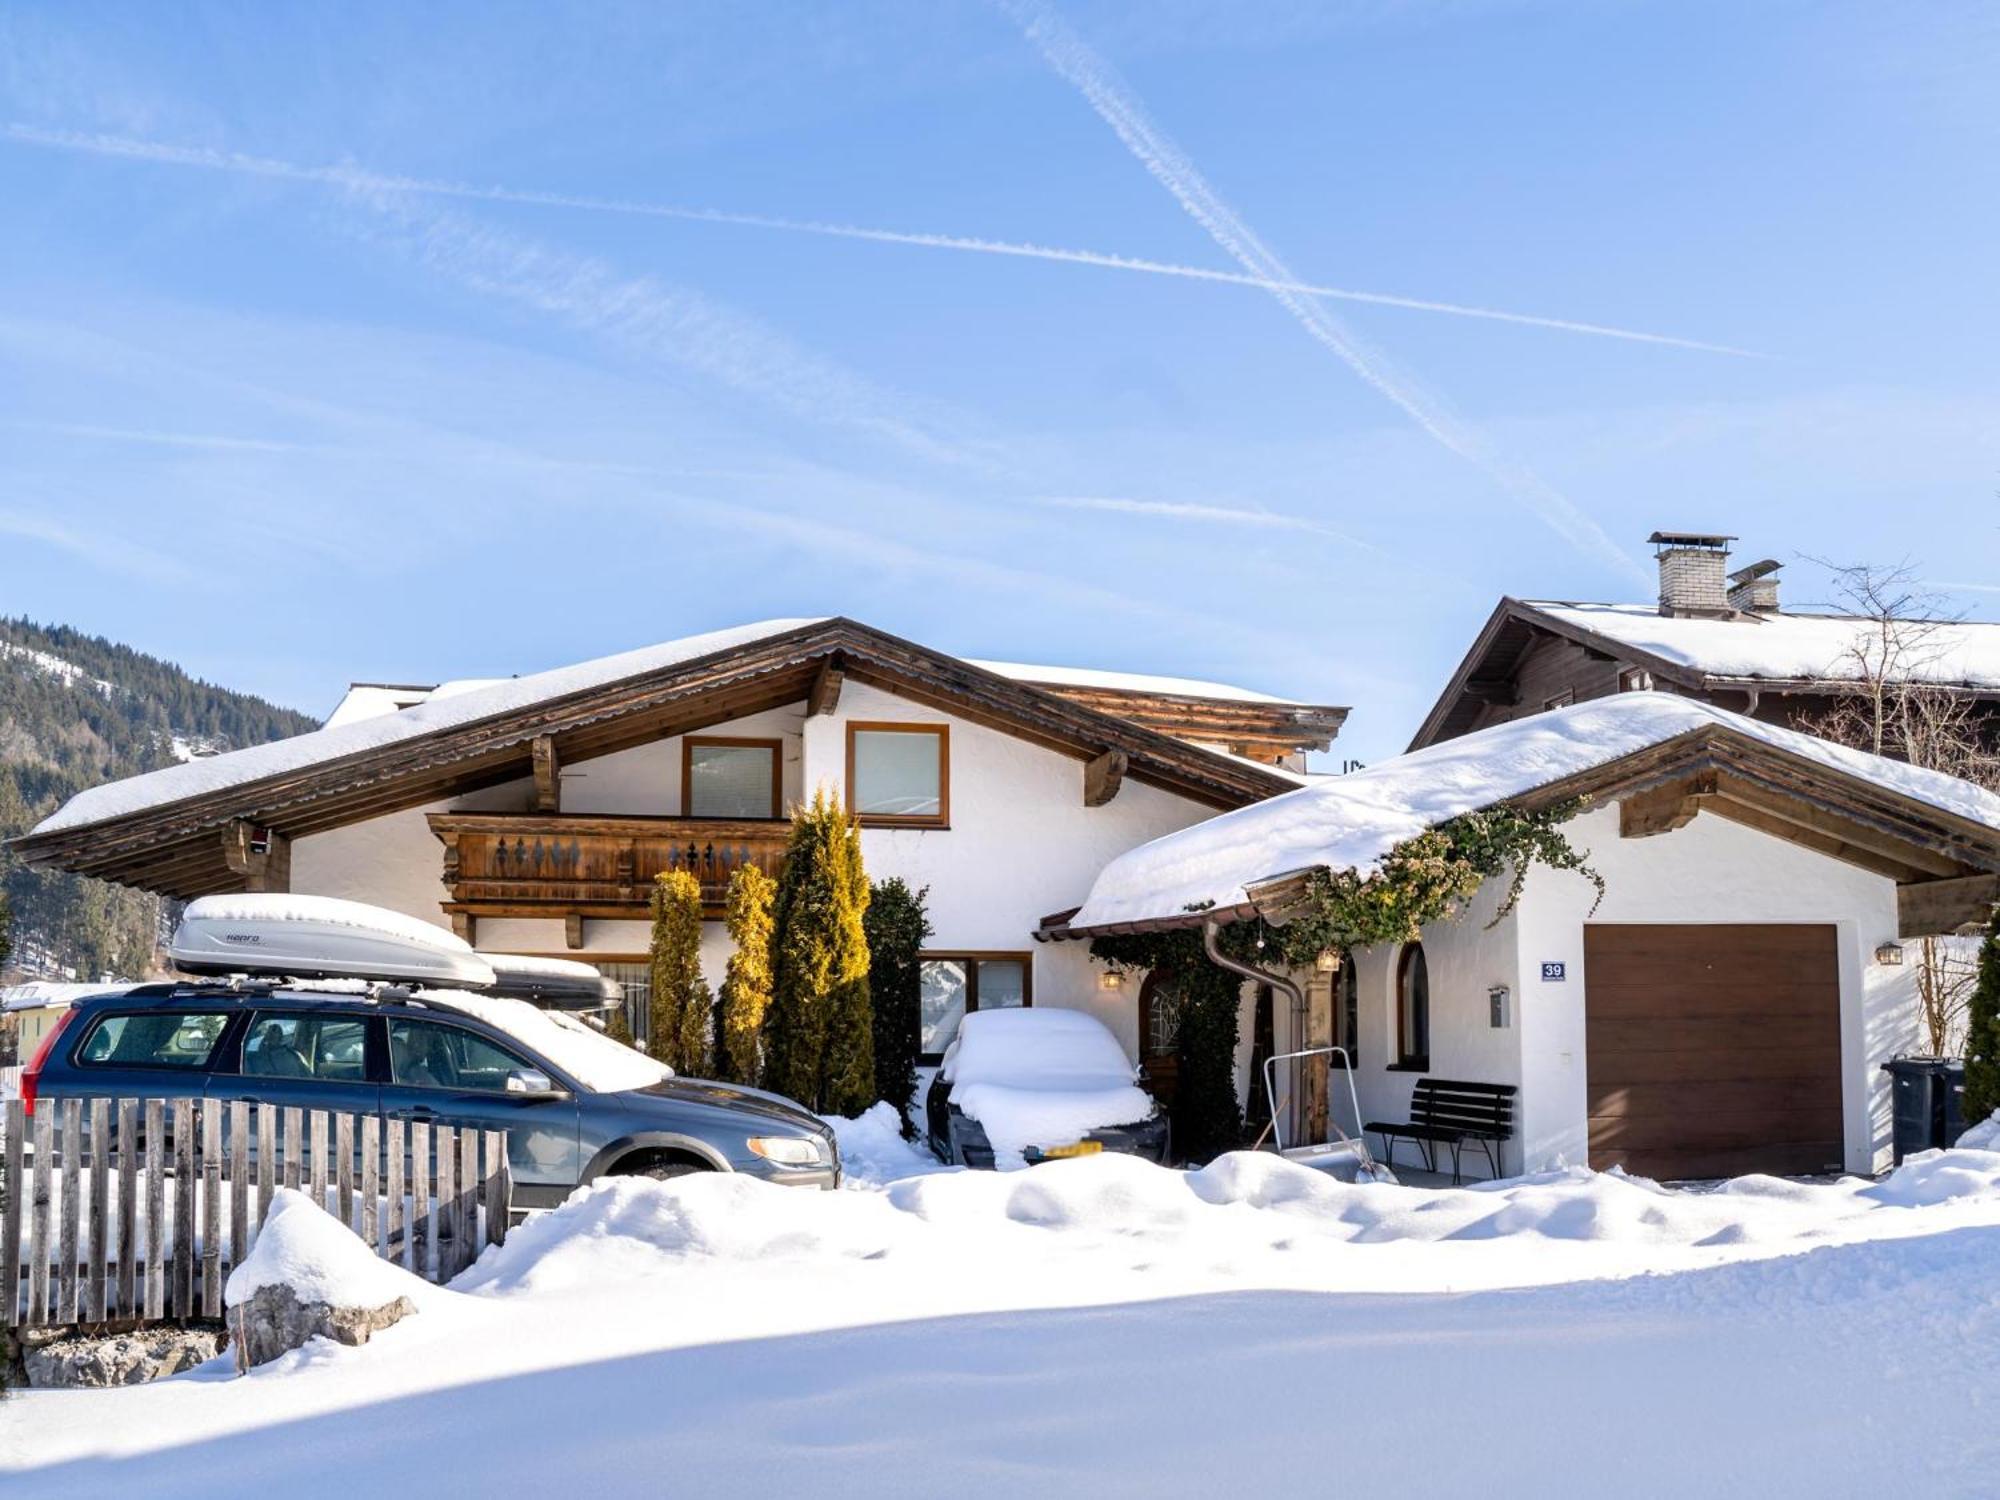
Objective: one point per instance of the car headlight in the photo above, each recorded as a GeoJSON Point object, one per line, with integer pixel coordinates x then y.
{"type": "Point", "coordinates": [787, 1150]}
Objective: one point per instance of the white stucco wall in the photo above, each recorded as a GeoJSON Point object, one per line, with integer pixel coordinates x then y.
{"type": "Point", "coordinates": [1021, 844]}
{"type": "Point", "coordinates": [1711, 871]}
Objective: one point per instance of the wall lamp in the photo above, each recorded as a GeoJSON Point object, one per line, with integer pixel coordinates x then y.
{"type": "Point", "coordinates": [1110, 979]}
{"type": "Point", "coordinates": [1889, 953]}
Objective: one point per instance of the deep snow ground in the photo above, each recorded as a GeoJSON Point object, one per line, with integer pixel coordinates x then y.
{"type": "Point", "coordinates": [1105, 1328]}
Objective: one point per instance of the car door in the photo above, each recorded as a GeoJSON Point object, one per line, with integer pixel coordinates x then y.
{"type": "Point", "coordinates": [301, 1058]}
{"type": "Point", "coordinates": [144, 1054]}
{"type": "Point", "coordinates": [445, 1073]}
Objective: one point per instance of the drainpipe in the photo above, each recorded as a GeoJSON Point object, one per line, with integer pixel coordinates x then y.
{"type": "Point", "coordinates": [1211, 932]}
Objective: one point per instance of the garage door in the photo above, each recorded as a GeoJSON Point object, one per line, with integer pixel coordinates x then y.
{"type": "Point", "coordinates": [1713, 1050]}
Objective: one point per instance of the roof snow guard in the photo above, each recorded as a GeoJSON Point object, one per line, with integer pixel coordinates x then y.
{"type": "Point", "coordinates": [1935, 835]}
{"type": "Point", "coordinates": [185, 831]}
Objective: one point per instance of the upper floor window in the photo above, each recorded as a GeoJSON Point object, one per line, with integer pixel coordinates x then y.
{"type": "Point", "coordinates": [730, 778]}
{"type": "Point", "coordinates": [899, 775]}
{"type": "Point", "coordinates": [1413, 1008]}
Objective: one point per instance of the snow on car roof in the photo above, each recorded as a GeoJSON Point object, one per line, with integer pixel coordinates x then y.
{"type": "Point", "coordinates": [1790, 647]}
{"type": "Point", "coordinates": [439, 711]}
{"type": "Point", "coordinates": [1036, 1047]}
{"type": "Point", "coordinates": [1351, 821]}
{"type": "Point", "coordinates": [586, 1054]}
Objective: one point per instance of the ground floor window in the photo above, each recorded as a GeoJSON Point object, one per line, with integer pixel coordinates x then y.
{"type": "Point", "coordinates": [636, 975]}
{"type": "Point", "coordinates": [1413, 1009]}
{"type": "Point", "coordinates": [955, 983]}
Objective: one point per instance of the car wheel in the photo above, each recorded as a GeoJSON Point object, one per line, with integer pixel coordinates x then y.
{"type": "Point", "coordinates": [664, 1171]}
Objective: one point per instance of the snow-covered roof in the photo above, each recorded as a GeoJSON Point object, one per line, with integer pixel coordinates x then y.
{"type": "Point", "coordinates": [1125, 682]}
{"type": "Point", "coordinates": [1789, 647]}
{"type": "Point", "coordinates": [440, 711]}
{"type": "Point", "coordinates": [1351, 821]}
{"type": "Point", "coordinates": [42, 994]}
{"type": "Point", "coordinates": [368, 700]}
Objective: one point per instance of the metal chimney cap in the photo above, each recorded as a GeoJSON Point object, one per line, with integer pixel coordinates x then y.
{"type": "Point", "coordinates": [1688, 539]}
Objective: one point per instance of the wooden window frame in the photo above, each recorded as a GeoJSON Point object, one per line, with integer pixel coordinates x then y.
{"type": "Point", "coordinates": [972, 958]}
{"type": "Point", "coordinates": [942, 817]}
{"type": "Point", "coordinates": [775, 746]}
{"type": "Point", "coordinates": [1406, 1060]}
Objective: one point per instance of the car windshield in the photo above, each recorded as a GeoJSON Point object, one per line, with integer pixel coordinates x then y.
{"type": "Point", "coordinates": [584, 1053]}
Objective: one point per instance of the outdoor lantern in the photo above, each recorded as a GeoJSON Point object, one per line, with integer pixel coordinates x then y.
{"type": "Point", "coordinates": [1496, 1002]}
{"type": "Point", "coordinates": [1327, 962]}
{"type": "Point", "coordinates": [1889, 953]}
{"type": "Point", "coordinates": [1110, 979]}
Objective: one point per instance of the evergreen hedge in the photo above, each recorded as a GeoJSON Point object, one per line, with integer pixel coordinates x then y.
{"type": "Point", "coordinates": [1207, 1116]}
{"type": "Point", "coordinates": [896, 927]}
{"type": "Point", "coordinates": [746, 983]}
{"type": "Point", "coordinates": [819, 1030]}
{"type": "Point", "coordinates": [1982, 1033]}
{"type": "Point", "coordinates": [681, 1002]}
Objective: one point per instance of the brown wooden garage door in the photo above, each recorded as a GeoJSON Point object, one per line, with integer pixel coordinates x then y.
{"type": "Point", "coordinates": [1713, 1050]}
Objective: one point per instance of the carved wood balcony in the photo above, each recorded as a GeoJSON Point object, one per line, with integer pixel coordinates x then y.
{"type": "Point", "coordinates": [566, 865]}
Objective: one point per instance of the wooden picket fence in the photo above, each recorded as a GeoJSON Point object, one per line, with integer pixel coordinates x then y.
{"type": "Point", "coordinates": [119, 1211]}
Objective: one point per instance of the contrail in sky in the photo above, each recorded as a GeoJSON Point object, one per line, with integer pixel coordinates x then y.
{"type": "Point", "coordinates": [357, 177]}
{"type": "Point", "coordinates": [1188, 510]}
{"type": "Point", "coordinates": [1072, 58]}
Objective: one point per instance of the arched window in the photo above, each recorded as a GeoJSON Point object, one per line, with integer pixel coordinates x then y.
{"type": "Point", "coordinates": [1413, 1009]}
{"type": "Point", "coordinates": [1347, 1009]}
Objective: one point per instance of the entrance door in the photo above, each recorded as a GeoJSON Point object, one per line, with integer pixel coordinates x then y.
{"type": "Point", "coordinates": [1713, 1050]}
{"type": "Point", "coordinates": [1159, 1036]}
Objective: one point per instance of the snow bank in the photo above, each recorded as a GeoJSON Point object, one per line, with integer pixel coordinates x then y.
{"type": "Point", "coordinates": [585, 1053]}
{"type": "Point", "coordinates": [354, 736]}
{"type": "Point", "coordinates": [304, 1247]}
{"type": "Point", "coordinates": [1351, 821]}
{"type": "Point", "coordinates": [1792, 647]}
{"type": "Point", "coordinates": [621, 1228]}
{"type": "Point", "coordinates": [1040, 1078]}
{"type": "Point", "coordinates": [873, 1152]}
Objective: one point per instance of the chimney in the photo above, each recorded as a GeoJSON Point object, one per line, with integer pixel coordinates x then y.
{"type": "Point", "coordinates": [1754, 590]}
{"type": "Point", "coordinates": [1691, 578]}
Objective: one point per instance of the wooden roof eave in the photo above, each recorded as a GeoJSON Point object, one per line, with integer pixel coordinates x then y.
{"type": "Point", "coordinates": [133, 848]}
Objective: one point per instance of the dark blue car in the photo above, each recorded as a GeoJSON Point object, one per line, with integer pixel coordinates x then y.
{"type": "Point", "coordinates": [576, 1105]}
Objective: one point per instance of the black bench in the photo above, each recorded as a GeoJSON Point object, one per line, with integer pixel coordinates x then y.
{"type": "Point", "coordinates": [1450, 1112]}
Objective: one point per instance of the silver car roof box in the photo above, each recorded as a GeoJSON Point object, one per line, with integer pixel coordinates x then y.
{"type": "Point", "coordinates": [552, 983]}
{"type": "Point", "coordinates": [319, 937]}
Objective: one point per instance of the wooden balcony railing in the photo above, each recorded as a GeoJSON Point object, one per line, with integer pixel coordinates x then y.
{"type": "Point", "coordinates": [544, 865]}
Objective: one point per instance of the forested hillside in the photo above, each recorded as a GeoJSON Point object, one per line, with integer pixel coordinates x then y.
{"type": "Point", "coordinates": [76, 710]}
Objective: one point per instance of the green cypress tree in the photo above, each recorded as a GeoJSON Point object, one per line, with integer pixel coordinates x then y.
{"type": "Point", "coordinates": [6, 929]}
{"type": "Point", "coordinates": [817, 1031]}
{"type": "Point", "coordinates": [680, 1001]}
{"type": "Point", "coordinates": [896, 927]}
{"type": "Point", "coordinates": [746, 983]}
{"type": "Point", "coordinates": [1982, 1034]}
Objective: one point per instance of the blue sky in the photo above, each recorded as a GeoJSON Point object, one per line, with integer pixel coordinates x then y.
{"type": "Point", "coordinates": [350, 342]}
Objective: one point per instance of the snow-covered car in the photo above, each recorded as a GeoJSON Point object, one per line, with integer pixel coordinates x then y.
{"type": "Point", "coordinates": [1027, 1085]}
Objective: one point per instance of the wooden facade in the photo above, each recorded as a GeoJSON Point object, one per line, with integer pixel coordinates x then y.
{"type": "Point", "coordinates": [532, 865]}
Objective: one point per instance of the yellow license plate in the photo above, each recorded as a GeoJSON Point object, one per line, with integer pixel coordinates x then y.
{"type": "Point", "coordinates": [1081, 1148]}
